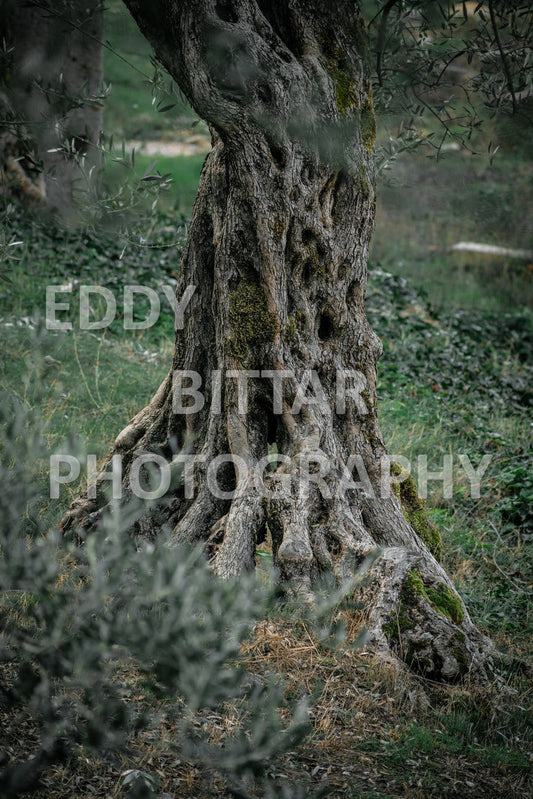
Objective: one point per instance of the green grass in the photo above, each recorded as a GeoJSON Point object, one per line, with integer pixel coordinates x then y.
{"type": "Point", "coordinates": [124, 180]}
{"type": "Point", "coordinates": [185, 172]}
{"type": "Point", "coordinates": [449, 740]}
{"type": "Point", "coordinates": [131, 111]}
{"type": "Point", "coordinates": [427, 205]}
{"type": "Point", "coordinates": [87, 384]}
{"type": "Point", "coordinates": [455, 736]}
{"type": "Point", "coordinates": [455, 382]}
{"type": "Point", "coordinates": [87, 391]}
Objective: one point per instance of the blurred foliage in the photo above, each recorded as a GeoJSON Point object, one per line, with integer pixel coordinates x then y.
{"type": "Point", "coordinates": [448, 66]}
{"type": "Point", "coordinates": [76, 619]}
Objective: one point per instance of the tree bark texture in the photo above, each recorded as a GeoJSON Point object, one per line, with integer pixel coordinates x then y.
{"type": "Point", "coordinates": [277, 251]}
{"type": "Point", "coordinates": [57, 54]}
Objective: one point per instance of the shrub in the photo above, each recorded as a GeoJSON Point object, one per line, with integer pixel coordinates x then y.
{"type": "Point", "coordinates": [76, 618]}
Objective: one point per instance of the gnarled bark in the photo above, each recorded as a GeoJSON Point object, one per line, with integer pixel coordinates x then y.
{"type": "Point", "coordinates": [277, 251]}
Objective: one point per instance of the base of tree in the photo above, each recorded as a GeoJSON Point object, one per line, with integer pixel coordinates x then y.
{"type": "Point", "coordinates": [276, 256]}
{"type": "Point", "coordinates": [413, 614]}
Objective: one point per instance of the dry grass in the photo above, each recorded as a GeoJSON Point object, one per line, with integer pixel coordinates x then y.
{"type": "Point", "coordinates": [376, 731]}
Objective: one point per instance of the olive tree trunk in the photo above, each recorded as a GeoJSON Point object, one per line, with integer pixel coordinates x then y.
{"type": "Point", "coordinates": [277, 251]}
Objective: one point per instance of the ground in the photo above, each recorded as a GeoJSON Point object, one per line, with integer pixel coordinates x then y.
{"type": "Point", "coordinates": [376, 734]}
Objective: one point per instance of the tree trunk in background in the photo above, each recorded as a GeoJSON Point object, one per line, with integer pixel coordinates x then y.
{"type": "Point", "coordinates": [59, 51]}
{"type": "Point", "coordinates": [277, 251]}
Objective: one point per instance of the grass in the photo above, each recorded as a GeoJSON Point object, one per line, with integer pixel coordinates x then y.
{"type": "Point", "coordinates": [185, 173]}
{"type": "Point", "coordinates": [87, 383]}
{"type": "Point", "coordinates": [132, 111]}
{"type": "Point", "coordinates": [449, 382]}
{"type": "Point", "coordinates": [454, 379]}
{"type": "Point", "coordinates": [427, 205]}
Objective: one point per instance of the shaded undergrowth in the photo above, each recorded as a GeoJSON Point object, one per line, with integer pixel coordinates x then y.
{"type": "Point", "coordinates": [449, 383]}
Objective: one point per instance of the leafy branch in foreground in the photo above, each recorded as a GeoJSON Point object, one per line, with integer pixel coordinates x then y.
{"type": "Point", "coordinates": [76, 619]}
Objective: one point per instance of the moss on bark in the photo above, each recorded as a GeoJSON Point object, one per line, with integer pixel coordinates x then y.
{"type": "Point", "coordinates": [344, 79]}
{"type": "Point", "coordinates": [414, 510]}
{"type": "Point", "coordinates": [253, 324]}
{"type": "Point", "coordinates": [442, 598]}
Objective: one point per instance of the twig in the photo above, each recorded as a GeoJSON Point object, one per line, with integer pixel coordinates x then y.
{"type": "Point", "coordinates": [76, 355]}
{"type": "Point", "coordinates": [385, 11]}
{"type": "Point", "coordinates": [493, 558]}
{"type": "Point", "coordinates": [503, 54]}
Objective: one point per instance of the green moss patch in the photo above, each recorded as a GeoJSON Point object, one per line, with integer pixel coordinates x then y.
{"type": "Point", "coordinates": [415, 652]}
{"type": "Point", "coordinates": [345, 91]}
{"type": "Point", "coordinates": [294, 327]}
{"type": "Point", "coordinates": [414, 510]}
{"type": "Point", "coordinates": [446, 602]}
{"type": "Point", "coordinates": [253, 324]}
{"type": "Point", "coordinates": [344, 80]}
{"type": "Point", "coordinates": [442, 598]}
